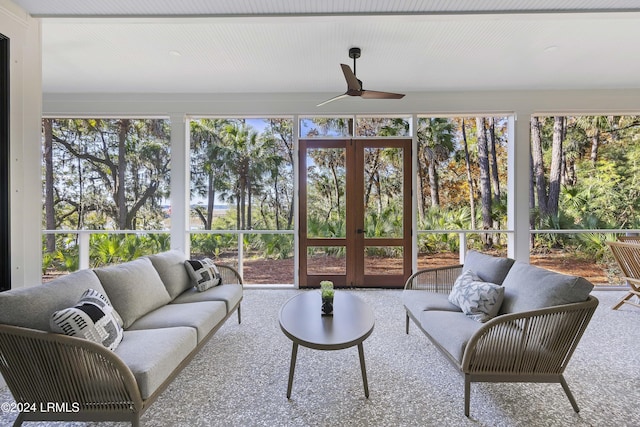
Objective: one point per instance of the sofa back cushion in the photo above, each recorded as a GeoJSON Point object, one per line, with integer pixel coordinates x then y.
{"type": "Point", "coordinates": [134, 288]}
{"type": "Point", "coordinates": [488, 268]}
{"type": "Point", "coordinates": [527, 287]}
{"type": "Point", "coordinates": [32, 307]}
{"type": "Point", "coordinates": [170, 267]}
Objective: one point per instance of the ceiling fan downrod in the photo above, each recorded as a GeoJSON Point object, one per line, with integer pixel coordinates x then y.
{"type": "Point", "coordinates": [354, 53]}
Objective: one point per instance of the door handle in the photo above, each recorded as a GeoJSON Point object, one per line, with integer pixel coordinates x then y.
{"type": "Point", "coordinates": [360, 231]}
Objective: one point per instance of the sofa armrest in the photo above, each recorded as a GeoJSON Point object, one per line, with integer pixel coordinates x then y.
{"type": "Point", "coordinates": [229, 274]}
{"type": "Point", "coordinates": [40, 368]}
{"type": "Point", "coordinates": [525, 344]}
{"type": "Point", "coordinates": [440, 279]}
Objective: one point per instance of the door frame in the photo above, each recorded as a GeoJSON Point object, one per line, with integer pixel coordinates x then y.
{"type": "Point", "coordinates": [355, 242]}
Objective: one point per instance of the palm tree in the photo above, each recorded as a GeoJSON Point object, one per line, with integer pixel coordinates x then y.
{"type": "Point", "coordinates": [435, 145]}
{"type": "Point", "coordinates": [208, 171]}
{"type": "Point", "coordinates": [248, 158]}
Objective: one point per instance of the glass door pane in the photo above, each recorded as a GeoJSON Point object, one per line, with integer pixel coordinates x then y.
{"type": "Point", "coordinates": [326, 192]}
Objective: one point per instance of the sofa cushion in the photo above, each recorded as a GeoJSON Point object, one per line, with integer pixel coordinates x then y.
{"type": "Point", "coordinates": [527, 287]}
{"type": "Point", "coordinates": [92, 318]}
{"type": "Point", "coordinates": [153, 354]}
{"type": "Point", "coordinates": [477, 299]}
{"type": "Point", "coordinates": [203, 316]}
{"type": "Point", "coordinates": [488, 268]}
{"type": "Point", "coordinates": [451, 330]}
{"type": "Point", "coordinates": [134, 288]}
{"type": "Point", "coordinates": [170, 267]}
{"type": "Point", "coordinates": [231, 294]}
{"type": "Point", "coordinates": [32, 307]}
{"type": "Point", "coordinates": [417, 301]}
{"type": "Point", "coordinates": [203, 273]}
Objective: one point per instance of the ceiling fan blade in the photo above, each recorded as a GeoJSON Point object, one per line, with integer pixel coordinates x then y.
{"type": "Point", "coordinates": [335, 98]}
{"type": "Point", "coordinates": [374, 94]}
{"type": "Point", "coordinates": [353, 84]}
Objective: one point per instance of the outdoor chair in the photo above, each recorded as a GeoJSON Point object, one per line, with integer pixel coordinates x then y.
{"type": "Point", "coordinates": [627, 255]}
{"type": "Point", "coordinates": [531, 345]}
{"type": "Point", "coordinates": [629, 239]}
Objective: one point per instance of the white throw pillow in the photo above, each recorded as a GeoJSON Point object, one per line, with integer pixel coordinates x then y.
{"type": "Point", "coordinates": [92, 318]}
{"type": "Point", "coordinates": [477, 299]}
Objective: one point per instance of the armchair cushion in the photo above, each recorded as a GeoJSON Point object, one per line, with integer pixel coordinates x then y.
{"type": "Point", "coordinates": [450, 330]}
{"type": "Point", "coordinates": [488, 268]}
{"type": "Point", "coordinates": [527, 287]}
{"type": "Point", "coordinates": [417, 301]}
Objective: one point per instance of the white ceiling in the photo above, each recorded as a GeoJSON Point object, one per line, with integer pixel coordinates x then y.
{"type": "Point", "coordinates": [268, 46]}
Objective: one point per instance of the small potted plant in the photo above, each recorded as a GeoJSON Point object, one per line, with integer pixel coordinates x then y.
{"type": "Point", "coordinates": [327, 292]}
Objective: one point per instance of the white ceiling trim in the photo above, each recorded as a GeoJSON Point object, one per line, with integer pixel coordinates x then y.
{"type": "Point", "coordinates": [115, 8]}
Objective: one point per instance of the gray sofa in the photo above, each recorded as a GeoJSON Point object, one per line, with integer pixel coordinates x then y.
{"type": "Point", "coordinates": [524, 330]}
{"type": "Point", "coordinates": [165, 320]}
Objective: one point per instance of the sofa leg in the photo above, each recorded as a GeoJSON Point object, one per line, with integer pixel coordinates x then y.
{"type": "Point", "coordinates": [467, 394]}
{"type": "Point", "coordinates": [18, 421]}
{"type": "Point", "coordinates": [569, 395]}
{"type": "Point", "coordinates": [407, 323]}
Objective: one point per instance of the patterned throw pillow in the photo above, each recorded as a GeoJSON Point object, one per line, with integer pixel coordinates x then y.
{"type": "Point", "coordinates": [92, 318]}
{"type": "Point", "coordinates": [478, 300]}
{"type": "Point", "coordinates": [203, 273]}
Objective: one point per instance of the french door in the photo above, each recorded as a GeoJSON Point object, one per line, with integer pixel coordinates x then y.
{"type": "Point", "coordinates": [355, 212]}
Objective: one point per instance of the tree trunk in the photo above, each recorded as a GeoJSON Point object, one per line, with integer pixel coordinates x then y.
{"type": "Point", "coordinates": [238, 215]}
{"type": "Point", "coordinates": [50, 216]}
{"type": "Point", "coordinates": [277, 199]}
{"type": "Point", "coordinates": [595, 144]}
{"type": "Point", "coordinates": [422, 203]}
{"type": "Point", "coordinates": [538, 167]}
{"type": "Point", "coordinates": [211, 201]}
{"type": "Point", "coordinates": [494, 161]}
{"type": "Point", "coordinates": [532, 197]}
{"type": "Point", "coordinates": [243, 204]}
{"type": "Point", "coordinates": [433, 184]}
{"type": "Point", "coordinates": [249, 204]}
{"type": "Point", "coordinates": [467, 161]}
{"type": "Point", "coordinates": [122, 169]}
{"type": "Point", "coordinates": [555, 171]}
{"type": "Point", "coordinates": [485, 179]}
{"type": "Point", "coordinates": [336, 184]}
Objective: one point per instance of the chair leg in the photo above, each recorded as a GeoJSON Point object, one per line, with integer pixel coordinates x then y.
{"type": "Point", "coordinates": [569, 395]}
{"type": "Point", "coordinates": [467, 394]}
{"type": "Point", "coordinates": [407, 323]}
{"type": "Point", "coordinates": [622, 300]}
{"type": "Point", "coordinates": [239, 318]}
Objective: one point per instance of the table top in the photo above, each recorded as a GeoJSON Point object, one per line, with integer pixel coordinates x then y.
{"type": "Point", "coordinates": [302, 321]}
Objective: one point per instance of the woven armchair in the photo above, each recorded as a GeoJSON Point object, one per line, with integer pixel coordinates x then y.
{"type": "Point", "coordinates": [530, 346]}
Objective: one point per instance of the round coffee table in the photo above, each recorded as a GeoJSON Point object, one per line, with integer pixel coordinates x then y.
{"type": "Point", "coordinates": [302, 321]}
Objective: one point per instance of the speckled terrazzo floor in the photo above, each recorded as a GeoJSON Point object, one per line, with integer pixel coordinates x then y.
{"type": "Point", "coordinates": [240, 378]}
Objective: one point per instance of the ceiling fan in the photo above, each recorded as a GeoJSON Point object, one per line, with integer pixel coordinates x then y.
{"type": "Point", "coordinates": [354, 85]}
